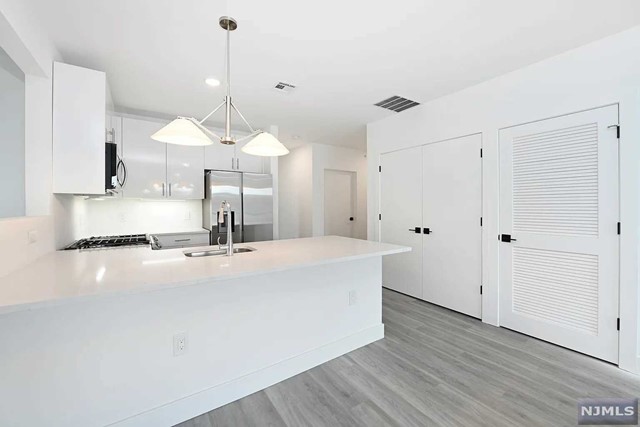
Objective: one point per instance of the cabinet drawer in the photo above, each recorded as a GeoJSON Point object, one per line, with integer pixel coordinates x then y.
{"type": "Point", "coordinates": [180, 240]}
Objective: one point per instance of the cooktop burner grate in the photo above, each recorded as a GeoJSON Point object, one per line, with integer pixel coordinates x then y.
{"type": "Point", "coordinates": [110, 242]}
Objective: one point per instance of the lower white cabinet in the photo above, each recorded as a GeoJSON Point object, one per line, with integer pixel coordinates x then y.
{"type": "Point", "coordinates": [156, 170]}
{"type": "Point", "coordinates": [180, 240]}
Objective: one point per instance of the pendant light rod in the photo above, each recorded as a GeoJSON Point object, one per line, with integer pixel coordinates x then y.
{"type": "Point", "coordinates": [242, 117]}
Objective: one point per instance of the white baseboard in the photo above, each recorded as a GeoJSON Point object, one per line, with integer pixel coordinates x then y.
{"type": "Point", "coordinates": [191, 406]}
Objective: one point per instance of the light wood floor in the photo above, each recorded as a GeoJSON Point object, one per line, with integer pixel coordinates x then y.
{"type": "Point", "coordinates": [434, 367]}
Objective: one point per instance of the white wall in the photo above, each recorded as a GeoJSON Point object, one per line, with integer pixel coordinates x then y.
{"type": "Point", "coordinates": [601, 73]}
{"type": "Point", "coordinates": [301, 206]}
{"type": "Point", "coordinates": [33, 52]}
{"type": "Point", "coordinates": [100, 217]}
{"type": "Point", "coordinates": [295, 190]}
{"type": "Point", "coordinates": [12, 162]}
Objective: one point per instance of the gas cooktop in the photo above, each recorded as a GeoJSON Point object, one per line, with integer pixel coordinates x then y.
{"type": "Point", "coordinates": [110, 242]}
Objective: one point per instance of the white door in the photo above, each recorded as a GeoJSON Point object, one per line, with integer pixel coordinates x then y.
{"type": "Point", "coordinates": [452, 239]}
{"type": "Point", "coordinates": [146, 159]}
{"type": "Point", "coordinates": [401, 214]}
{"type": "Point", "coordinates": [185, 172]}
{"type": "Point", "coordinates": [559, 205]}
{"type": "Point", "coordinates": [339, 202]}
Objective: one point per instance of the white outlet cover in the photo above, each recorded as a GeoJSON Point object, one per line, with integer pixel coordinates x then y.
{"type": "Point", "coordinates": [32, 236]}
{"type": "Point", "coordinates": [180, 343]}
{"type": "Point", "coordinates": [353, 297]}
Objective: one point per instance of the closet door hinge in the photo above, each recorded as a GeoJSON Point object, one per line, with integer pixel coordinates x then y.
{"type": "Point", "coordinates": [481, 152]}
{"type": "Point", "coordinates": [618, 324]}
{"type": "Point", "coordinates": [379, 168]}
{"type": "Point", "coordinates": [618, 228]}
{"type": "Point", "coordinates": [480, 289]}
{"type": "Point", "coordinates": [379, 217]}
{"type": "Point", "coordinates": [480, 221]}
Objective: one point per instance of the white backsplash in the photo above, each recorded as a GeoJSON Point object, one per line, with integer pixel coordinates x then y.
{"type": "Point", "coordinates": [131, 216]}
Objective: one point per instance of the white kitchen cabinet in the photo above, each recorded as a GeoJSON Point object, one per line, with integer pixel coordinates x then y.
{"type": "Point", "coordinates": [157, 170]}
{"type": "Point", "coordinates": [79, 115]}
{"type": "Point", "coordinates": [185, 172]}
{"type": "Point", "coordinates": [219, 157]}
{"type": "Point", "coordinates": [145, 160]}
{"type": "Point", "coordinates": [248, 163]}
{"type": "Point", "coordinates": [230, 157]}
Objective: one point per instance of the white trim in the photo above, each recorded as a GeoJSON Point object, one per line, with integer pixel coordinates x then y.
{"type": "Point", "coordinates": [186, 408]}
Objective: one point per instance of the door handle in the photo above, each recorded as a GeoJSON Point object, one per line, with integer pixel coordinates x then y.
{"type": "Point", "coordinates": [350, 218]}
{"type": "Point", "coordinates": [427, 230]}
{"type": "Point", "coordinates": [415, 230]}
{"type": "Point", "coordinates": [506, 238]}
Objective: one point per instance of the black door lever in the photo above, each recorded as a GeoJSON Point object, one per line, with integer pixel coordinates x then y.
{"type": "Point", "coordinates": [506, 238]}
{"type": "Point", "coordinates": [415, 230]}
{"type": "Point", "coordinates": [427, 230]}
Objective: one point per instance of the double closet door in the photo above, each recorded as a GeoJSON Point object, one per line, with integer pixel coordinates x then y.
{"type": "Point", "coordinates": [431, 200]}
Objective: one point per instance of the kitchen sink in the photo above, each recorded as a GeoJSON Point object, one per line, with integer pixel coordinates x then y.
{"type": "Point", "coordinates": [217, 252]}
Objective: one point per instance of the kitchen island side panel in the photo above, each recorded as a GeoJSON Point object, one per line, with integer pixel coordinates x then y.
{"type": "Point", "coordinates": [111, 360]}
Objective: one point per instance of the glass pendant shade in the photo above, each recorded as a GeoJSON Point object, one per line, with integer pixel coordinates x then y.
{"type": "Point", "coordinates": [182, 131]}
{"type": "Point", "coordinates": [265, 144]}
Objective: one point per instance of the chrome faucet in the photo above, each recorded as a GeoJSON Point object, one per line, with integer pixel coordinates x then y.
{"type": "Point", "coordinates": [226, 207]}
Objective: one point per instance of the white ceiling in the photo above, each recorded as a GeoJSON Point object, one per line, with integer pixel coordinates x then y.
{"type": "Point", "coordinates": [344, 55]}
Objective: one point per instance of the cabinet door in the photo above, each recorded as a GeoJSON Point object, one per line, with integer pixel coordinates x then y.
{"type": "Point", "coordinates": [185, 172]}
{"type": "Point", "coordinates": [248, 163]}
{"type": "Point", "coordinates": [79, 108]}
{"type": "Point", "coordinates": [219, 157]}
{"type": "Point", "coordinates": [146, 159]}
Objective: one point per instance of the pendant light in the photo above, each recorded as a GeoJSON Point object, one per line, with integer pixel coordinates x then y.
{"type": "Point", "coordinates": [189, 131]}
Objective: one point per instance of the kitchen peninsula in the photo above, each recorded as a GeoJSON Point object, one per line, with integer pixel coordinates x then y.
{"type": "Point", "coordinates": [140, 337]}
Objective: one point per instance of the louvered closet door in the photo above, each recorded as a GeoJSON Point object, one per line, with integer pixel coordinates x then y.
{"type": "Point", "coordinates": [559, 200]}
{"type": "Point", "coordinates": [452, 206]}
{"type": "Point", "coordinates": [401, 209]}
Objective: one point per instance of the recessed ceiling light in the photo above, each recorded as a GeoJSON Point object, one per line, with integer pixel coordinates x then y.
{"type": "Point", "coordinates": [212, 82]}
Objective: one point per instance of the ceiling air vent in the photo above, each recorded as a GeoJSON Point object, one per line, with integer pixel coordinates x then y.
{"type": "Point", "coordinates": [284, 87]}
{"type": "Point", "coordinates": [397, 103]}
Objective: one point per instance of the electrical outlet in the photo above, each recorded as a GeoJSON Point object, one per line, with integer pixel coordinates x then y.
{"type": "Point", "coordinates": [187, 216]}
{"type": "Point", "coordinates": [32, 236]}
{"type": "Point", "coordinates": [122, 217]}
{"type": "Point", "coordinates": [353, 297]}
{"type": "Point", "coordinates": [180, 343]}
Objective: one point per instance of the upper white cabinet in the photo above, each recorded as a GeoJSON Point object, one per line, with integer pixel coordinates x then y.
{"type": "Point", "coordinates": [248, 163]}
{"type": "Point", "coordinates": [230, 157]}
{"type": "Point", "coordinates": [157, 170]}
{"type": "Point", "coordinates": [145, 160]}
{"type": "Point", "coordinates": [79, 115]}
{"type": "Point", "coordinates": [219, 157]}
{"type": "Point", "coordinates": [185, 172]}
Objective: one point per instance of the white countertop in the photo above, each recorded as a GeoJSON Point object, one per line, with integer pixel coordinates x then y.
{"type": "Point", "coordinates": [67, 276]}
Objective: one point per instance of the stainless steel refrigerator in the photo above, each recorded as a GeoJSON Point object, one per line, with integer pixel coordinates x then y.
{"type": "Point", "coordinates": [251, 199]}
